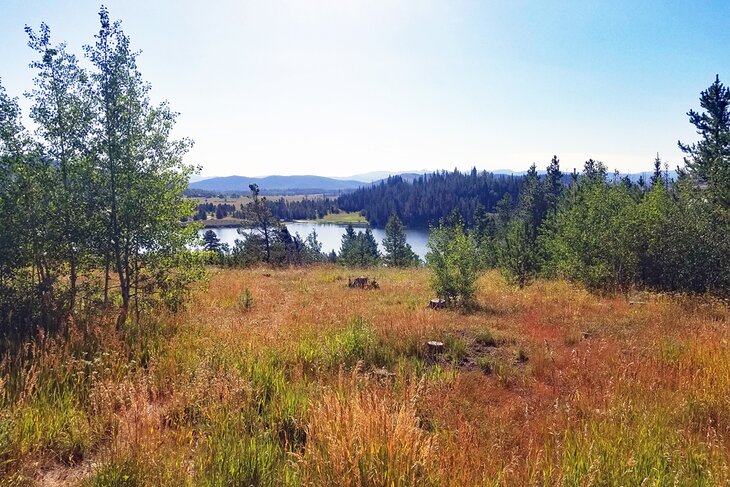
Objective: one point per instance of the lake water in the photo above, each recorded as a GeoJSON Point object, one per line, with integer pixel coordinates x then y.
{"type": "Point", "coordinates": [330, 236]}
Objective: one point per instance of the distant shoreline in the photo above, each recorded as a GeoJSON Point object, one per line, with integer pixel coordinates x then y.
{"type": "Point", "coordinates": [208, 224]}
{"type": "Point", "coordinates": [341, 218]}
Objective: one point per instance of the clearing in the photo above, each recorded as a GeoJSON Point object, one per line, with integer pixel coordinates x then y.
{"type": "Point", "coordinates": [311, 382]}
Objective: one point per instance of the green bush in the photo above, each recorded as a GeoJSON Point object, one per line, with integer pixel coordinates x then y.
{"type": "Point", "coordinates": [246, 299]}
{"type": "Point", "coordinates": [454, 264]}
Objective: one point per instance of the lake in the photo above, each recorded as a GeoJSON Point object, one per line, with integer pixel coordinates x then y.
{"type": "Point", "coordinates": [330, 236]}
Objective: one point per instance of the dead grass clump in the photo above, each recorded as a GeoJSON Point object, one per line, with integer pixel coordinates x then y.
{"type": "Point", "coordinates": [365, 435]}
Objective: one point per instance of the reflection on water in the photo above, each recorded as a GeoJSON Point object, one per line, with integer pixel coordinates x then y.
{"type": "Point", "coordinates": [330, 236]}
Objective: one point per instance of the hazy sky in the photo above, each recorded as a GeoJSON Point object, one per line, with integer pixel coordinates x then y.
{"type": "Point", "coordinates": [338, 87]}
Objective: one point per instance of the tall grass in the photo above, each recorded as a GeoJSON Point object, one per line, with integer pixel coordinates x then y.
{"type": "Point", "coordinates": [361, 435]}
{"type": "Point", "coordinates": [319, 384]}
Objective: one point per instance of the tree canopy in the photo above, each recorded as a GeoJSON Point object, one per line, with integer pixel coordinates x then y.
{"type": "Point", "coordinates": [98, 185]}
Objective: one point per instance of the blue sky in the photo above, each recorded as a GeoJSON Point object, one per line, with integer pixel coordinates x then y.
{"type": "Point", "coordinates": [339, 87]}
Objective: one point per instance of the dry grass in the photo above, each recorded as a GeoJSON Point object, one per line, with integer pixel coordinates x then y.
{"type": "Point", "coordinates": [547, 385]}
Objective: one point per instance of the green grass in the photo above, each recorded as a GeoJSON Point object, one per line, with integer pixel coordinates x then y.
{"type": "Point", "coordinates": [342, 218]}
{"type": "Point", "coordinates": [356, 342]}
{"type": "Point", "coordinates": [635, 447]}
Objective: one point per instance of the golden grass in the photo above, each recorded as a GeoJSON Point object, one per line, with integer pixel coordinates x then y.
{"type": "Point", "coordinates": [546, 385]}
{"type": "Point", "coordinates": [343, 218]}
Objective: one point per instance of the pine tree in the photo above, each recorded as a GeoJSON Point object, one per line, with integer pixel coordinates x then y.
{"type": "Point", "coordinates": [358, 249]}
{"type": "Point", "coordinates": [211, 241]}
{"type": "Point", "coordinates": [656, 177]}
{"type": "Point", "coordinates": [313, 248]}
{"type": "Point", "coordinates": [519, 254]}
{"type": "Point", "coordinates": [348, 248]}
{"type": "Point", "coordinates": [708, 161]}
{"type": "Point", "coordinates": [369, 253]}
{"type": "Point", "coordinates": [398, 252]}
{"type": "Point", "coordinates": [553, 184]}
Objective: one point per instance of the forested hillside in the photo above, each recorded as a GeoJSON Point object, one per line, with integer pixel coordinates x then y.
{"type": "Point", "coordinates": [431, 197]}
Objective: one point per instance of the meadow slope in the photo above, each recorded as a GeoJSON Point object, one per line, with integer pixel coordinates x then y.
{"type": "Point", "coordinates": [303, 381]}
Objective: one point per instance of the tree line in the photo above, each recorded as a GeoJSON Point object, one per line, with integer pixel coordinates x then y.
{"type": "Point", "coordinates": [431, 197]}
{"type": "Point", "coordinates": [91, 200]}
{"type": "Point", "coordinates": [605, 231]}
{"type": "Point", "coordinates": [283, 209]}
{"type": "Point", "coordinates": [303, 209]}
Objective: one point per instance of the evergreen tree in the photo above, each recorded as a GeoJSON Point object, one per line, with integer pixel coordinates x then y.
{"type": "Point", "coordinates": [519, 255]}
{"type": "Point", "coordinates": [484, 234]}
{"type": "Point", "coordinates": [708, 161]}
{"type": "Point", "coordinates": [708, 168]}
{"type": "Point", "coordinates": [428, 198]}
{"type": "Point", "coordinates": [656, 177]}
{"type": "Point", "coordinates": [313, 248]}
{"type": "Point", "coordinates": [348, 248]}
{"type": "Point", "coordinates": [358, 249]}
{"type": "Point", "coordinates": [369, 255]}
{"type": "Point", "coordinates": [553, 184]}
{"type": "Point", "coordinates": [504, 211]}
{"type": "Point", "coordinates": [211, 242]}
{"type": "Point", "coordinates": [398, 252]}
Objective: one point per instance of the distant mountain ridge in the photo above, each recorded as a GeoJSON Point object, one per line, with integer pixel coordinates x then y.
{"type": "Point", "coordinates": [305, 183]}
{"type": "Point", "coordinates": [309, 184]}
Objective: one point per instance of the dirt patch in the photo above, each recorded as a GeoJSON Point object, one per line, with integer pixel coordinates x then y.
{"type": "Point", "coordinates": [473, 350]}
{"type": "Point", "coordinates": [58, 475]}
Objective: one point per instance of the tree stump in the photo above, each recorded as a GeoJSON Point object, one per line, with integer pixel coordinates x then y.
{"type": "Point", "coordinates": [384, 374]}
{"type": "Point", "coordinates": [437, 304]}
{"type": "Point", "coordinates": [435, 348]}
{"type": "Point", "coordinates": [360, 282]}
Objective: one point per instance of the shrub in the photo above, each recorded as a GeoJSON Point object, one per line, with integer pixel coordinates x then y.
{"type": "Point", "coordinates": [486, 338]}
{"type": "Point", "coordinates": [454, 264]}
{"type": "Point", "coordinates": [246, 299]}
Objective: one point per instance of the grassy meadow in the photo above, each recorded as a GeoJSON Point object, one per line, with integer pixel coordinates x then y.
{"type": "Point", "coordinates": [244, 200]}
{"type": "Point", "coordinates": [288, 377]}
{"type": "Point", "coordinates": [343, 218]}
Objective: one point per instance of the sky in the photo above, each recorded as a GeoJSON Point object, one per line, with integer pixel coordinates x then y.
{"type": "Point", "coordinates": [342, 87]}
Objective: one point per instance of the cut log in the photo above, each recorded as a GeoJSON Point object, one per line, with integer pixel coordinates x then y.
{"type": "Point", "coordinates": [437, 304]}
{"type": "Point", "coordinates": [435, 347]}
